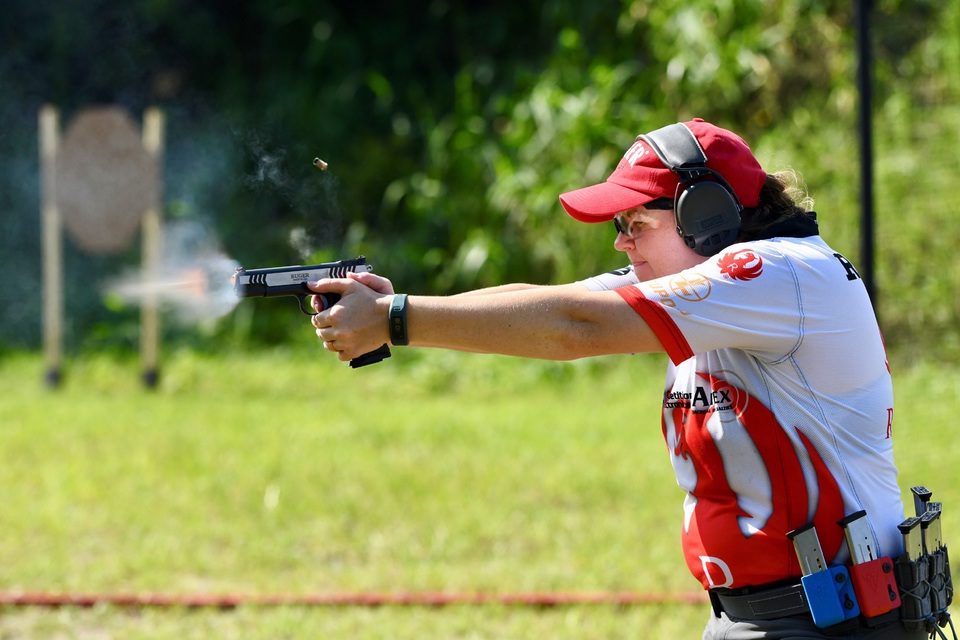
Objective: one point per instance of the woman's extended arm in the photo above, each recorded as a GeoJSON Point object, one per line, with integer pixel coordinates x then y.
{"type": "Point", "coordinates": [563, 322]}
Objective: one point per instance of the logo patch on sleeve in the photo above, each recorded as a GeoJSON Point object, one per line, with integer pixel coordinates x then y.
{"type": "Point", "coordinates": [740, 265]}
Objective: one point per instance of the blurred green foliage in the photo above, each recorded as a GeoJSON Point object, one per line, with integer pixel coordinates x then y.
{"type": "Point", "coordinates": [451, 127]}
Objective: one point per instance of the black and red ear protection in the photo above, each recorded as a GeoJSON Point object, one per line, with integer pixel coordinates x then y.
{"type": "Point", "coordinates": [707, 209]}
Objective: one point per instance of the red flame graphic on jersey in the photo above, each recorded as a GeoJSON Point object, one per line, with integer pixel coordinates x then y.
{"type": "Point", "coordinates": [741, 265]}
{"type": "Point", "coordinates": [714, 529]}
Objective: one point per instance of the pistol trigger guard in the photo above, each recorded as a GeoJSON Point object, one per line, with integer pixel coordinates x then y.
{"type": "Point", "coordinates": [301, 299]}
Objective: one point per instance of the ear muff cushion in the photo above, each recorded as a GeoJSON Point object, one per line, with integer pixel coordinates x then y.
{"type": "Point", "coordinates": [708, 216]}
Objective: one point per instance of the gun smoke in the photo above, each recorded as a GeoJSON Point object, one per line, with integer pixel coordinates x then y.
{"type": "Point", "coordinates": [310, 198]}
{"type": "Point", "coordinates": [192, 281]}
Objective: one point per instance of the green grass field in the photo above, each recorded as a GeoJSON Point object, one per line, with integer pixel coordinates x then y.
{"type": "Point", "coordinates": [285, 472]}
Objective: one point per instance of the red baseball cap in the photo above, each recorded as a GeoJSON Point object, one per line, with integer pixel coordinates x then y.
{"type": "Point", "coordinates": [641, 177]}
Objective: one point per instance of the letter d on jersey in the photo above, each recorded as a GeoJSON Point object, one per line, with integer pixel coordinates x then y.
{"type": "Point", "coordinates": [706, 561]}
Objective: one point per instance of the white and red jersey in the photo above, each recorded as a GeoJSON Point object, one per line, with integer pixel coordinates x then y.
{"type": "Point", "coordinates": [778, 405]}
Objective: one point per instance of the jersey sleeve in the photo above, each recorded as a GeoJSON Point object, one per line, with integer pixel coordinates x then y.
{"type": "Point", "coordinates": [611, 280]}
{"type": "Point", "coordinates": [746, 298]}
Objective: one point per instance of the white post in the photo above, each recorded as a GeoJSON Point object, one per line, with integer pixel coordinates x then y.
{"type": "Point", "coordinates": [153, 122]}
{"type": "Point", "coordinates": [51, 245]}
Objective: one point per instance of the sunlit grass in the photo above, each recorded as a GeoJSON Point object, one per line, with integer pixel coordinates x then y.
{"type": "Point", "coordinates": [286, 472]}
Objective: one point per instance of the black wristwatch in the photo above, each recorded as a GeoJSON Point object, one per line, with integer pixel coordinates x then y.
{"type": "Point", "coordinates": [398, 319]}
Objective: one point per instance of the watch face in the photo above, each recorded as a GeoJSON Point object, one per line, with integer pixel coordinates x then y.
{"type": "Point", "coordinates": [397, 319]}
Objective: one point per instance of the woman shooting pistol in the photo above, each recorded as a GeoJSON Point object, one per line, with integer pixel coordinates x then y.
{"type": "Point", "coordinates": [778, 400]}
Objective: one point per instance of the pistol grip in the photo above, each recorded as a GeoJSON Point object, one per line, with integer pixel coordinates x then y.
{"type": "Point", "coordinates": [373, 357]}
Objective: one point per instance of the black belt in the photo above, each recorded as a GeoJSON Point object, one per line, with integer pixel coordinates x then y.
{"type": "Point", "coordinates": [772, 602]}
{"type": "Point", "coordinates": [760, 603]}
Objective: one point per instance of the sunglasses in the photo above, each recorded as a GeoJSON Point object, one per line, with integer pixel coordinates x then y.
{"type": "Point", "coordinates": [660, 204]}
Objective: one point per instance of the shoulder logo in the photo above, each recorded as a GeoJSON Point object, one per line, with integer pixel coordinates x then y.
{"type": "Point", "coordinates": [740, 265]}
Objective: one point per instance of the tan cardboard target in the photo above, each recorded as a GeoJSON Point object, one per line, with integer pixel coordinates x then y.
{"type": "Point", "coordinates": [106, 179]}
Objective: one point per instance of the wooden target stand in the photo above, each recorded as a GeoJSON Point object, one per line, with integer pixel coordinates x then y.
{"type": "Point", "coordinates": [101, 182]}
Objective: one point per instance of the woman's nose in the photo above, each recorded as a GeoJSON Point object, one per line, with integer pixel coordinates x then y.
{"type": "Point", "coordinates": [622, 242]}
